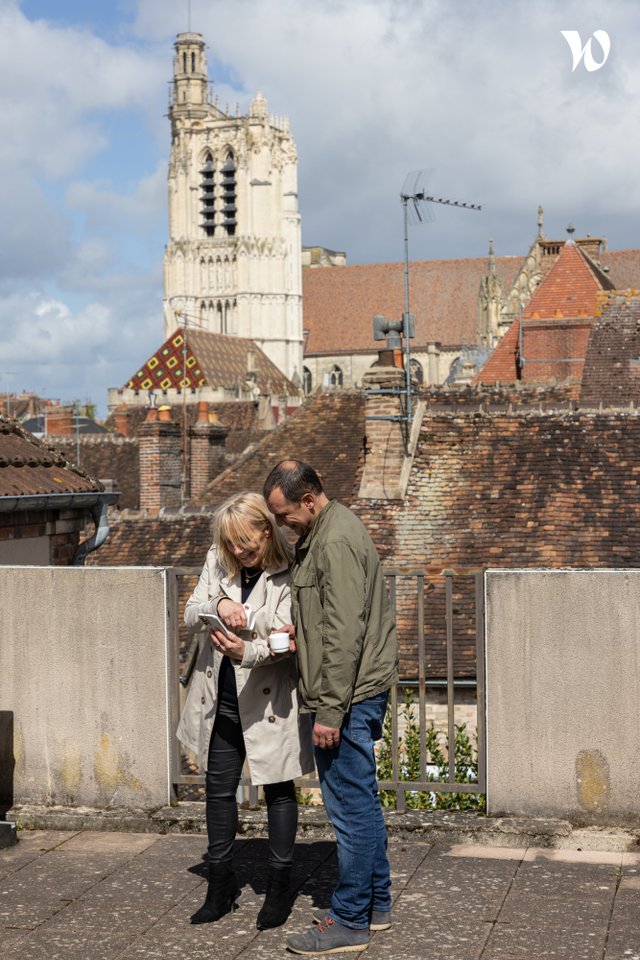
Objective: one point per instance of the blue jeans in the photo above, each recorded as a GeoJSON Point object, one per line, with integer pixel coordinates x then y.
{"type": "Point", "coordinates": [350, 794]}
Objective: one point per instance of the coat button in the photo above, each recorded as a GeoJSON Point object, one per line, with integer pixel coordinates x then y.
{"type": "Point", "coordinates": [201, 699]}
{"type": "Point", "coordinates": [209, 673]}
{"type": "Point", "coordinates": [254, 635]}
{"type": "Point", "coordinates": [267, 690]}
{"type": "Point", "coordinates": [272, 719]}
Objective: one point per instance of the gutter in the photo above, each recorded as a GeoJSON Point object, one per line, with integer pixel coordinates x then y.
{"type": "Point", "coordinates": [95, 502]}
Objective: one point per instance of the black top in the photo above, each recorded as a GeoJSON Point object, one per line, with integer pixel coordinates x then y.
{"type": "Point", "coordinates": [227, 690]}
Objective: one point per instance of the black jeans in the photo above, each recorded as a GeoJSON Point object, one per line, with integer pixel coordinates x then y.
{"type": "Point", "coordinates": [226, 757]}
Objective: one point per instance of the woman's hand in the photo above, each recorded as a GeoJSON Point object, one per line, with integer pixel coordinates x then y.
{"type": "Point", "coordinates": [229, 644]}
{"type": "Point", "coordinates": [233, 614]}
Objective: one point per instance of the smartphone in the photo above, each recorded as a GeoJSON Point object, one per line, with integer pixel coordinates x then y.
{"type": "Point", "coordinates": [215, 623]}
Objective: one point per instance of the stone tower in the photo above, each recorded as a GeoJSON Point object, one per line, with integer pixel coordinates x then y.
{"type": "Point", "coordinates": [233, 261]}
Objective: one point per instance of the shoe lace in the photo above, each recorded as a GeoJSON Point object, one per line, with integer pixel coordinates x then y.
{"type": "Point", "coordinates": [326, 923]}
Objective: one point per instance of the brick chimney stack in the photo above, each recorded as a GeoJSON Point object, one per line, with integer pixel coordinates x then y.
{"type": "Point", "coordinates": [58, 421]}
{"type": "Point", "coordinates": [390, 444]}
{"type": "Point", "coordinates": [122, 419]}
{"type": "Point", "coordinates": [160, 461]}
{"type": "Point", "coordinates": [207, 449]}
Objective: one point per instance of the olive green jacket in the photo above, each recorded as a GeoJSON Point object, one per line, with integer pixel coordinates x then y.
{"type": "Point", "coordinates": [345, 632]}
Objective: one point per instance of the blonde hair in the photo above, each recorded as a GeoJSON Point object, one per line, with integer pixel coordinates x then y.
{"type": "Point", "coordinates": [237, 521]}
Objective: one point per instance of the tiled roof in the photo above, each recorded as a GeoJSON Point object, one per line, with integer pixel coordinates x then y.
{"type": "Point", "coordinates": [623, 267]}
{"type": "Point", "coordinates": [520, 490]}
{"type": "Point", "coordinates": [29, 467]}
{"type": "Point", "coordinates": [612, 367]}
{"type": "Point", "coordinates": [109, 457]}
{"type": "Point", "coordinates": [208, 359]}
{"type": "Point", "coordinates": [569, 291]}
{"type": "Point", "coordinates": [327, 432]}
{"type": "Point", "coordinates": [340, 302]}
{"type": "Point", "coordinates": [171, 541]}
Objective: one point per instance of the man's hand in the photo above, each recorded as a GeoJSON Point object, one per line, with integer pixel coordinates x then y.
{"type": "Point", "coordinates": [327, 738]}
{"type": "Point", "coordinates": [291, 630]}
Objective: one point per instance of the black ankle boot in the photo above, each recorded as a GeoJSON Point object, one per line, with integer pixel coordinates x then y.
{"type": "Point", "coordinates": [277, 903]}
{"type": "Point", "coordinates": [221, 896]}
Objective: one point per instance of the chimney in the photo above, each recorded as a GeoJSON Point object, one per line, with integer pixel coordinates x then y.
{"type": "Point", "coordinates": [207, 449]}
{"type": "Point", "coordinates": [58, 421]}
{"type": "Point", "coordinates": [122, 419]}
{"type": "Point", "coordinates": [390, 444]}
{"type": "Point", "coordinates": [160, 461]}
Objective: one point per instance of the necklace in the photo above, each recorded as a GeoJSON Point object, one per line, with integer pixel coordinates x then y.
{"type": "Point", "coordinates": [248, 577]}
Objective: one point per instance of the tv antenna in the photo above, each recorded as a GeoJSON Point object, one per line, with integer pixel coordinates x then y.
{"type": "Point", "coordinates": [415, 199]}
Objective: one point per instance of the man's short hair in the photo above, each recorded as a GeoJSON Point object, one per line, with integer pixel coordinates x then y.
{"type": "Point", "coordinates": [294, 478]}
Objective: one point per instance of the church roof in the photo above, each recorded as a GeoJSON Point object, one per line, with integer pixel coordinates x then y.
{"type": "Point", "coordinates": [571, 287]}
{"type": "Point", "coordinates": [340, 302]}
{"type": "Point", "coordinates": [198, 358]}
{"type": "Point", "coordinates": [568, 294]}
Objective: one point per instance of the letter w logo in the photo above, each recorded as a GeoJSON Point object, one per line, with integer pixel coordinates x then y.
{"type": "Point", "coordinates": [578, 52]}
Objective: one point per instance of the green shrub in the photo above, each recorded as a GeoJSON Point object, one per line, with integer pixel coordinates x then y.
{"type": "Point", "coordinates": [409, 764]}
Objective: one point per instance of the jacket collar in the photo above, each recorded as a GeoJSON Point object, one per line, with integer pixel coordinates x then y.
{"type": "Point", "coordinates": [305, 542]}
{"type": "Point", "coordinates": [232, 586]}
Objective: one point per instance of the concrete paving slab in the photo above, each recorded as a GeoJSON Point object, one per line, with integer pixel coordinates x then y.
{"type": "Point", "coordinates": [451, 902]}
{"type": "Point", "coordinates": [127, 844]}
{"type": "Point", "coordinates": [575, 856]}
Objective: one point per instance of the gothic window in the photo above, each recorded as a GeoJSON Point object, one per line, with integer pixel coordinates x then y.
{"type": "Point", "coordinates": [228, 186]}
{"type": "Point", "coordinates": [417, 371]}
{"type": "Point", "coordinates": [208, 195]}
{"type": "Point", "coordinates": [184, 63]}
{"type": "Point", "coordinates": [335, 376]}
{"type": "Point", "coordinates": [307, 381]}
{"type": "Point", "coordinates": [193, 63]}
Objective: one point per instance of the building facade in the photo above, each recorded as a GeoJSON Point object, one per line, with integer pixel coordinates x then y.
{"type": "Point", "coordinates": [232, 264]}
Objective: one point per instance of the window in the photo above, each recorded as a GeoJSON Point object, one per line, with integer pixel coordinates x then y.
{"type": "Point", "coordinates": [228, 188]}
{"type": "Point", "coordinates": [208, 195]}
{"type": "Point", "coordinates": [335, 376]}
{"type": "Point", "coordinates": [307, 381]}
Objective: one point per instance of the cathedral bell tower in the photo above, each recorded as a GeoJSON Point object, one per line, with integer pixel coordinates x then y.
{"type": "Point", "coordinates": [232, 264]}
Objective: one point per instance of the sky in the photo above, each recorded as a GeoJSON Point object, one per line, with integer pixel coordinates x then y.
{"type": "Point", "coordinates": [488, 98]}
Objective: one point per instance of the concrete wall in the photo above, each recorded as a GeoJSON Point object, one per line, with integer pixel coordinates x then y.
{"type": "Point", "coordinates": [563, 694]}
{"type": "Point", "coordinates": [83, 670]}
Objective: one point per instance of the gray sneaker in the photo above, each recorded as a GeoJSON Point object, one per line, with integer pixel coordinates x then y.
{"type": "Point", "coordinates": [380, 919]}
{"type": "Point", "coordinates": [329, 937]}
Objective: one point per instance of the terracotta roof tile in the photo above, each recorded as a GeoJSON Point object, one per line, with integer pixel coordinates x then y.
{"type": "Point", "coordinates": [612, 367]}
{"type": "Point", "coordinates": [327, 432]}
{"type": "Point", "coordinates": [340, 302]}
{"type": "Point", "coordinates": [29, 467]}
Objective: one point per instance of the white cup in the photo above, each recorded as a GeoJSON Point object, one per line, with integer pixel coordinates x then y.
{"type": "Point", "coordinates": [279, 642]}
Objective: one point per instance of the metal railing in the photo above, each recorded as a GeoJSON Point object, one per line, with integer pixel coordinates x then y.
{"type": "Point", "coordinates": [407, 591]}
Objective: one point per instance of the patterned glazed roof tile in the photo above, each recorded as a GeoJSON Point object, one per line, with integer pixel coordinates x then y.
{"type": "Point", "coordinates": [199, 358]}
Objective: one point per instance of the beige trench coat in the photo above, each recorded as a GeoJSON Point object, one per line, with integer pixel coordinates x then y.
{"type": "Point", "coordinates": [277, 738]}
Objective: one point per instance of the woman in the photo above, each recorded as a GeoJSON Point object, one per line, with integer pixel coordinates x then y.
{"type": "Point", "coordinates": [243, 703]}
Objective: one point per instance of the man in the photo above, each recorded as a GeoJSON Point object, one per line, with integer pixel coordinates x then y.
{"type": "Point", "coordinates": [348, 659]}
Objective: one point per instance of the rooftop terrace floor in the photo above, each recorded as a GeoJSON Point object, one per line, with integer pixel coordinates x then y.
{"type": "Point", "coordinates": [124, 896]}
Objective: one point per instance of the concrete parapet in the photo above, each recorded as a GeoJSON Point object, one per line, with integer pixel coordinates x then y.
{"type": "Point", "coordinates": [563, 712]}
